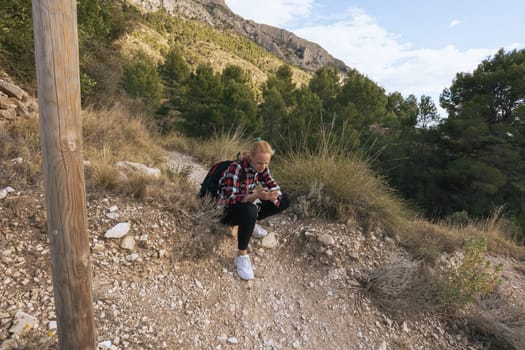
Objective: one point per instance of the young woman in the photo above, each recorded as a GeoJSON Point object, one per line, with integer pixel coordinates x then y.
{"type": "Point", "coordinates": [245, 202]}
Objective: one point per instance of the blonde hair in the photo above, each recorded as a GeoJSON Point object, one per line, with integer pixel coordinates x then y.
{"type": "Point", "coordinates": [259, 146]}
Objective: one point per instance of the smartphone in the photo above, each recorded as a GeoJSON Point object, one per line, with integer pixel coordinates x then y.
{"type": "Point", "coordinates": [273, 189]}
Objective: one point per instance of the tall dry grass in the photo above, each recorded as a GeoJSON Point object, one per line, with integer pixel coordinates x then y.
{"type": "Point", "coordinates": [430, 239]}
{"type": "Point", "coordinates": [222, 146]}
{"type": "Point", "coordinates": [20, 156]}
{"type": "Point", "coordinates": [499, 317]}
{"type": "Point", "coordinates": [116, 134]}
{"type": "Point", "coordinates": [341, 185]}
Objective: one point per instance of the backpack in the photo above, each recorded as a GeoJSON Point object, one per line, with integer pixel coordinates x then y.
{"type": "Point", "coordinates": [210, 184]}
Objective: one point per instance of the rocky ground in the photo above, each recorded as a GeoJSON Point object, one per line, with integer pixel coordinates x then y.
{"type": "Point", "coordinates": [170, 287]}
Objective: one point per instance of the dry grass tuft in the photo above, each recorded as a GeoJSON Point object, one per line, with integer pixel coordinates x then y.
{"type": "Point", "coordinates": [20, 153]}
{"type": "Point", "coordinates": [102, 176]}
{"type": "Point", "coordinates": [341, 186]}
{"type": "Point", "coordinates": [429, 240]}
{"type": "Point", "coordinates": [115, 134]}
{"type": "Point", "coordinates": [221, 147]}
{"type": "Point", "coordinates": [500, 318]}
{"type": "Point", "coordinates": [112, 135]}
{"type": "Point", "coordinates": [404, 288]}
{"type": "Point", "coordinates": [411, 288]}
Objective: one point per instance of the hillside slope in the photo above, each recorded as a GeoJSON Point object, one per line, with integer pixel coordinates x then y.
{"type": "Point", "coordinates": [177, 287]}
{"type": "Point", "coordinates": [171, 284]}
{"type": "Point", "coordinates": [284, 44]}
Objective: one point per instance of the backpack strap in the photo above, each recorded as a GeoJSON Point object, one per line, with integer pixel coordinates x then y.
{"type": "Point", "coordinates": [244, 165]}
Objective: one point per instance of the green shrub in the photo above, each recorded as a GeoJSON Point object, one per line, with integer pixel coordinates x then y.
{"type": "Point", "coordinates": [475, 276]}
{"type": "Point", "coordinates": [16, 41]}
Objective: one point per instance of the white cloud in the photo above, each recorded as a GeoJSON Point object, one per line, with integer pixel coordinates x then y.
{"type": "Point", "coordinates": [454, 23]}
{"type": "Point", "coordinates": [389, 61]}
{"type": "Point", "coordinates": [278, 13]}
{"type": "Point", "coordinates": [514, 46]}
{"type": "Point", "coordinates": [357, 39]}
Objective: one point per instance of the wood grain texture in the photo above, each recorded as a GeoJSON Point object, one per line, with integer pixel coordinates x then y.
{"type": "Point", "coordinates": [56, 55]}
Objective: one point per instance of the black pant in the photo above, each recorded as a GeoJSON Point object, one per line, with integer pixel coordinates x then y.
{"type": "Point", "coordinates": [245, 214]}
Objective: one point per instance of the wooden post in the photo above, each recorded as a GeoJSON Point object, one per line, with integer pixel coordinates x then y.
{"type": "Point", "coordinates": [58, 81]}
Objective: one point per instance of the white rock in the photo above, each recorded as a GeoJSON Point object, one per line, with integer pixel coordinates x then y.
{"type": "Point", "coordinates": [270, 241]}
{"type": "Point", "coordinates": [118, 231]}
{"type": "Point", "coordinates": [132, 257]}
{"type": "Point", "coordinates": [405, 327]}
{"type": "Point", "coordinates": [198, 283]}
{"type": "Point", "coordinates": [106, 345]}
{"type": "Point", "coordinates": [22, 323]}
{"type": "Point", "coordinates": [113, 208]}
{"type": "Point", "coordinates": [233, 340]}
{"type": "Point", "coordinates": [112, 215]}
{"type": "Point", "coordinates": [327, 239]}
{"type": "Point", "coordinates": [3, 194]}
{"type": "Point", "coordinates": [137, 167]}
{"type": "Point", "coordinates": [6, 252]}
{"type": "Point", "coordinates": [52, 325]}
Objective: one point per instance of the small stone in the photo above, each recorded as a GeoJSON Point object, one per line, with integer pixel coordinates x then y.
{"type": "Point", "coordinates": [327, 239]}
{"type": "Point", "coordinates": [132, 257]}
{"type": "Point", "coordinates": [118, 231]}
{"type": "Point", "coordinates": [98, 247]}
{"type": "Point", "coordinates": [112, 215]}
{"type": "Point", "coordinates": [233, 340]}
{"type": "Point", "coordinates": [22, 323]}
{"type": "Point", "coordinates": [404, 327]}
{"type": "Point", "coordinates": [128, 243]}
{"type": "Point", "coordinates": [270, 241]}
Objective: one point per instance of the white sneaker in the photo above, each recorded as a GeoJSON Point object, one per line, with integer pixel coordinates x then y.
{"type": "Point", "coordinates": [244, 267]}
{"type": "Point", "coordinates": [259, 231]}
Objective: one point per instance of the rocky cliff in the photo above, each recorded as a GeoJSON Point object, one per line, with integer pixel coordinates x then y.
{"type": "Point", "coordinates": [282, 43]}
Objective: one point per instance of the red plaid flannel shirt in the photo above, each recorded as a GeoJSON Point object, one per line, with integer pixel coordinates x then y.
{"type": "Point", "coordinates": [233, 191]}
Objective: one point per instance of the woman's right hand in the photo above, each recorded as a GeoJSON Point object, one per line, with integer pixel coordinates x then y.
{"type": "Point", "coordinates": [266, 195]}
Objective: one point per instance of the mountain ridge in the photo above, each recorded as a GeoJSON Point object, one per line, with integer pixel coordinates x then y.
{"type": "Point", "coordinates": [284, 44]}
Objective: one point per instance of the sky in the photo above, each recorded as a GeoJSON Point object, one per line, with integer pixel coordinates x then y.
{"type": "Point", "coordinates": [413, 47]}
